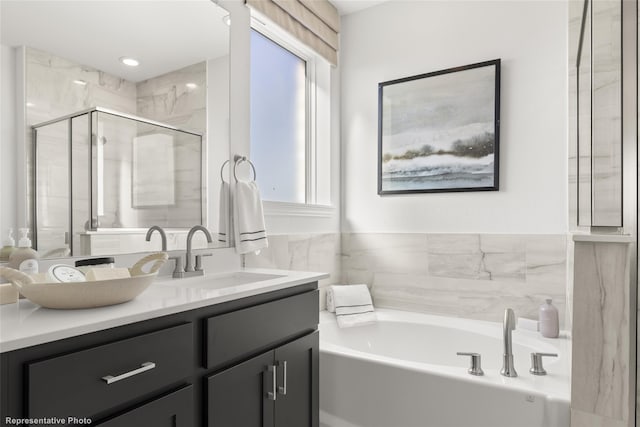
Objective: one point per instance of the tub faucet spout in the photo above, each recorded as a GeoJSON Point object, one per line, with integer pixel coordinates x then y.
{"type": "Point", "coordinates": [508, 325]}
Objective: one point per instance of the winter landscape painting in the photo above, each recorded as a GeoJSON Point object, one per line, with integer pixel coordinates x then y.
{"type": "Point", "coordinates": [439, 131]}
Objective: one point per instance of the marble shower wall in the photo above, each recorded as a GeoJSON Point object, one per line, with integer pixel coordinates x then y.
{"type": "Point", "coordinates": [52, 92]}
{"type": "Point", "coordinates": [179, 98]}
{"type": "Point", "coordinates": [304, 252]}
{"type": "Point", "coordinates": [464, 275]}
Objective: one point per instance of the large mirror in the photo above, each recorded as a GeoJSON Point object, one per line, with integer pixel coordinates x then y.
{"type": "Point", "coordinates": [125, 124]}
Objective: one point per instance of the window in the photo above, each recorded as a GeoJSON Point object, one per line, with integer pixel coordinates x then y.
{"type": "Point", "coordinates": [279, 110]}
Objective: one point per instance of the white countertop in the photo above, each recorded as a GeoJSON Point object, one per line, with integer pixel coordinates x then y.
{"type": "Point", "coordinates": [25, 324]}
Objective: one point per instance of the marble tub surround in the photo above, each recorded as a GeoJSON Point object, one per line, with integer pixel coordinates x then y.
{"type": "Point", "coordinates": [303, 252]}
{"type": "Point", "coordinates": [464, 275]}
{"type": "Point", "coordinates": [601, 389]}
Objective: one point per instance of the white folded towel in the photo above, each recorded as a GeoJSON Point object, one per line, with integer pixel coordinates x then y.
{"type": "Point", "coordinates": [353, 305]}
{"type": "Point", "coordinates": [248, 218]}
{"type": "Point", "coordinates": [223, 224]}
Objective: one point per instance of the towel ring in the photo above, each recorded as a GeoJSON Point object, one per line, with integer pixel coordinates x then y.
{"type": "Point", "coordinates": [226, 162]}
{"type": "Point", "coordinates": [240, 159]}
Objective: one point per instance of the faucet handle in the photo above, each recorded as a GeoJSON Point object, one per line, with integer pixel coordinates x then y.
{"type": "Point", "coordinates": [476, 364]}
{"type": "Point", "coordinates": [536, 363]}
{"type": "Point", "coordinates": [178, 271]}
{"type": "Point", "coordinates": [199, 261]}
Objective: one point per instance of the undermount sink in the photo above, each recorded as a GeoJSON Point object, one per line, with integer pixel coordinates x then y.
{"type": "Point", "coordinates": [217, 281]}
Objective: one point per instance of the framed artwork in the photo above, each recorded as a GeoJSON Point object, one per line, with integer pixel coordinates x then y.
{"type": "Point", "coordinates": [439, 132]}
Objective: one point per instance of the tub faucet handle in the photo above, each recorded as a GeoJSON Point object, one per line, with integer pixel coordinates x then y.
{"type": "Point", "coordinates": [476, 363]}
{"type": "Point", "coordinates": [536, 363]}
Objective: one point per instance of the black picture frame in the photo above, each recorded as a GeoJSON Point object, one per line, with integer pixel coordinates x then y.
{"type": "Point", "coordinates": [440, 131]}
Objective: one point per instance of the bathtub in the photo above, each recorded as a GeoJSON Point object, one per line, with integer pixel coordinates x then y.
{"type": "Point", "coordinates": [404, 372]}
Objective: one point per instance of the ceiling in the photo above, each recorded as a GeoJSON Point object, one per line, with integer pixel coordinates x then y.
{"type": "Point", "coordinates": [346, 7]}
{"type": "Point", "coordinates": [163, 35]}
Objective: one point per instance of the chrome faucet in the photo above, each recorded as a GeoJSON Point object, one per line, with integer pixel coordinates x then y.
{"type": "Point", "coordinates": [189, 265]}
{"type": "Point", "coordinates": [508, 325]}
{"type": "Point", "coordinates": [163, 236]}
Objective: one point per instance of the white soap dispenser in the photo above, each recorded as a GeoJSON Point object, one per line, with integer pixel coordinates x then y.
{"type": "Point", "coordinates": [8, 246]}
{"type": "Point", "coordinates": [549, 322]}
{"type": "Point", "coordinates": [24, 258]}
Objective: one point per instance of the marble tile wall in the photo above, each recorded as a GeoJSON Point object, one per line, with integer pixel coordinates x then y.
{"type": "Point", "coordinates": [52, 93]}
{"type": "Point", "coordinates": [305, 252]}
{"type": "Point", "coordinates": [168, 99]}
{"type": "Point", "coordinates": [465, 275]}
{"type": "Point", "coordinates": [179, 98]}
{"type": "Point", "coordinates": [601, 386]}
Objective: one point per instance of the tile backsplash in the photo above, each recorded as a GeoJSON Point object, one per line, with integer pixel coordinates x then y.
{"type": "Point", "coordinates": [463, 275]}
{"type": "Point", "coordinates": [305, 252]}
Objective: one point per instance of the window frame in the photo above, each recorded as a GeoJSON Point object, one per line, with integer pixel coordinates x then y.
{"type": "Point", "coordinates": [310, 207]}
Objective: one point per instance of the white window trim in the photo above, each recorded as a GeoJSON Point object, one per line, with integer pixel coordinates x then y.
{"type": "Point", "coordinates": [297, 209]}
{"type": "Point", "coordinates": [310, 208]}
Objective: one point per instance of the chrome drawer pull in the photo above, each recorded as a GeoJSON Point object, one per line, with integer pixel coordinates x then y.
{"type": "Point", "coordinates": [272, 395]}
{"type": "Point", "coordinates": [283, 388]}
{"type": "Point", "coordinates": [146, 366]}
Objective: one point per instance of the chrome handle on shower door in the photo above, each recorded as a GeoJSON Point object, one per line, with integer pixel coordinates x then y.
{"type": "Point", "coordinates": [283, 388]}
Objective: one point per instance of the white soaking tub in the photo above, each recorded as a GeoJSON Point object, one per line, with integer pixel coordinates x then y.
{"type": "Point", "coordinates": [404, 372]}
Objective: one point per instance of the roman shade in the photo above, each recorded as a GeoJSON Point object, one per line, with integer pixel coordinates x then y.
{"type": "Point", "coordinates": [315, 23]}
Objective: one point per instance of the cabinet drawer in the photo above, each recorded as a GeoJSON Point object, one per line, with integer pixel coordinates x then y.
{"type": "Point", "coordinates": [233, 336]}
{"type": "Point", "coordinates": [74, 384]}
{"type": "Point", "coordinates": [172, 410]}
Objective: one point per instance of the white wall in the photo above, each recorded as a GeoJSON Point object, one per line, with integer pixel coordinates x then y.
{"type": "Point", "coordinates": [7, 140]}
{"type": "Point", "coordinates": [405, 38]}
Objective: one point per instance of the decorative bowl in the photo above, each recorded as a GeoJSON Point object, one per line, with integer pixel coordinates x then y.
{"type": "Point", "coordinates": [75, 295]}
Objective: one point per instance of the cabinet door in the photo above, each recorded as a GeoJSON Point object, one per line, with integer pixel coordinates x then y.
{"type": "Point", "coordinates": [297, 399]}
{"type": "Point", "coordinates": [172, 410]}
{"type": "Point", "coordinates": [237, 397]}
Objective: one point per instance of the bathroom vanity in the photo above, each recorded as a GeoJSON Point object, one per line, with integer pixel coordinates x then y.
{"type": "Point", "coordinates": [240, 355]}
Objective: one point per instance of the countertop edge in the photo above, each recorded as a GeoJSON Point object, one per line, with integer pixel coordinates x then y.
{"type": "Point", "coordinates": [294, 278]}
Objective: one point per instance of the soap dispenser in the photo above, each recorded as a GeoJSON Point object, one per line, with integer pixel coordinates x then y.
{"type": "Point", "coordinates": [24, 258]}
{"type": "Point", "coordinates": [8, 246]}
{"type": "Point", "coordinates": [548, 318]}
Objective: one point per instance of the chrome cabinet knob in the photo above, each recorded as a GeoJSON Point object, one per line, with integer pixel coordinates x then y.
{"type": "Point", "coordinates": [536, 363]}
{"type": "Point", "coordinates": [476, 364]}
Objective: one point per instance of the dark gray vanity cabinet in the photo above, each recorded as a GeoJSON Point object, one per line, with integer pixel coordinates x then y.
{"type": "Point", "coordinates": [172, 410]}
{"type": "Point", "coordinates": [278, 388]}
{"type": "Point", "coordinates": [180, 370]}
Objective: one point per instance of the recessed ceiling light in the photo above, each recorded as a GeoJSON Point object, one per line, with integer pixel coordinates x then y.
{"type": "Point", "coordinates": [80, 82]}
{"type": "Point", "coordinates": [227, 20]}
{"type": "Point", "coordinates": [30, 104]}
{"type": "Point", "coordinates": [191, 85]}
{"type": "Point", "coordinates": [129, 61]}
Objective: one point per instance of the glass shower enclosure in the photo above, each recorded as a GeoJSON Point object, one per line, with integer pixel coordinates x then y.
{"type": "Point", "coordinates": [103, 172]}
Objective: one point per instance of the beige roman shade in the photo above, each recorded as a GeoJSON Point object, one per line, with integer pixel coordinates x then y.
{"type": "Point", "coordinates": [315, 23]}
